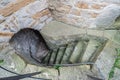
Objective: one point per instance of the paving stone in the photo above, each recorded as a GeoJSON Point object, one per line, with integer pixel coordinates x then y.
{"type": "Point", "coordinates": [76, 73]}
{"type": "Point", "coordinates": [48, 73]}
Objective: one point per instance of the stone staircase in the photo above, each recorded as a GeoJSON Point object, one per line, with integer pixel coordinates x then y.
{"type": "Point", "coordinates": [78, 51]}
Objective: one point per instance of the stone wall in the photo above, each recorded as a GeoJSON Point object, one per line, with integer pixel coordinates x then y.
{"type": "Point", "coordinates": [86, 13]}
{"type": "Point", "coordinates": [17, 14]}
{"type": "Point", "coordinates": [95, 14]}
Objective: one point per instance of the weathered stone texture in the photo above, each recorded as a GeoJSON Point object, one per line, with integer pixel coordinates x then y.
{"type": "Point", "coordinates": [35, 14]}
{"type": "Point", "coordinates": [79, 73]}
{"type": "Point", "coordinates": [110, 1]}
{"type": "Point", "coordinates": [96, 6]}
{"type": "Point", "coordinates": [3, 3]}
{"type": "Point", "coordinates": [12, 7]}
{"type": "Point", "coordinates": [76, 12]}
{"type": "Point", "coordinates": [106, 59]}
{"type": "Point", "coordinates": [26, 13]}
{"type": "Point", "coordinates": [108, 16]}
{"type": "Point", "coordinates": [82, 4]}
{"type": "Point", "coordinates": [41, 14]}
{"type": "Point", "coordinates": [47, 73]}
{"type": "Point", "coordinates": [90, 14]}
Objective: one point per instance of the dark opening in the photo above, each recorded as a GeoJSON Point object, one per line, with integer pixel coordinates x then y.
{"type": "Point", "coordinates": [29, 45]}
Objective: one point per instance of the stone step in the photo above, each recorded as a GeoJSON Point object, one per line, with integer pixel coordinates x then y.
{"type": "Point", "coordinates": [60, 55]}
{"type": "Point", "coordinates": [91, 48]}
{"type": "Point", "coordinates": [53, 57]}
{"type": "Point", "coordinates": [78, 51]}
{"type": "Point", "coordinates": [98, 50]}
{"type": "Point", "coordinates": [85, 44]}
{"type": "Point", "coordinates": [68, 52]}
{"type": "Point", "coordinates": [94, 47]}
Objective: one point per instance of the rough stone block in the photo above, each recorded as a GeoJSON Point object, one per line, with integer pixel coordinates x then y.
{"type": "Point", "coordinates": [77, 52]}
{"type": "Point", "coordinates": [82, 4]}
{"type": "Point", "coordinates": [29, 16]}
{"type": "Point", "coordinates": [9, 9]}
{"type": "Point", "coordinates": [108, 16]}
{"type": "Point", "coordinates": [74, 72]}
{"type": "Point", "coordinates": [3, 3]}
{"type": "Point", "coordinates": [92, 46]}
{"type": "Point", "coordinates": [64, 8]}
{"type": "Point", "coordinates": [47, 73]}
{"type": "Point", "coordinates": [41, 14]}
{"type": "Point", "coordinates": [106, 59]}
{"type": "Point", "coordinates": [75, 12]}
